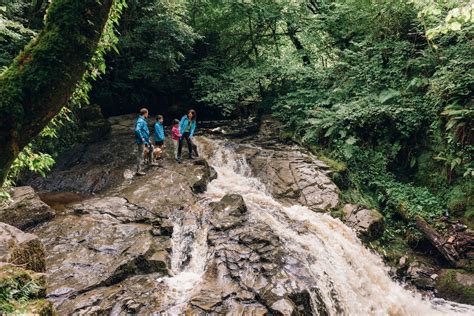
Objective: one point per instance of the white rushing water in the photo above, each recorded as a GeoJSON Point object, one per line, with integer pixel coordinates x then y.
{"type": "Point", "coordinates": [351, 279]}
{"type": "Point", "coordinates": [188, 259]}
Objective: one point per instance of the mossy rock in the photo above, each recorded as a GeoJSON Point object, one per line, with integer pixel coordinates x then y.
{"type": "Point", "coordinates": [285, 136]}
{"type": "Point", "coordinates": [468, 218]}
{"type": "Point", "coordinates": [22, 249]}
{"type": "Point", "coordinates": [339, 171]}
{"type": "Point", "coordinates": [393, 250]}
{"type": "Point", "coordinates": [456, 285]}
{"type": "Point", "coordinates": [23, 292]}
{"type": "Point", "coordinates": [40, 307]}
{"type": "Point", "coordinates": [335, 165]}
{"type": "Point", "coordinates": [16, 277]}
{"type": "Point", "coordinates": [337, 213]}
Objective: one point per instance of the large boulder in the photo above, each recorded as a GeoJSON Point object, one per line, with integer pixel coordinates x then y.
{"type": "Point", "coordinates": [99, 243]}
{"type": "Point", "coordinates": [26, 209]}
{"type": "Point", "coordinates": [456, 285]}
{"type": "Point", "coordinates": [93, 166]}
{"type": "Point", "coordinates": [21, 248]}
{"type": "Point", "coordinates": [250, 271]}
{"type": "Point", "coordinates": [208, 174]}
{"type": "Point", "coordinates": [292, 176]}
{"type": "Point", "coordinates": [422, 275]}
{"type": "Point", "coordinates": [368, 223]}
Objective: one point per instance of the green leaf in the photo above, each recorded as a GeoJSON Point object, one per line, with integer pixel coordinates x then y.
{"type": "Point", "coordinates": [351, 140]}
{"type": "Point", "coordinates": [387, 95]}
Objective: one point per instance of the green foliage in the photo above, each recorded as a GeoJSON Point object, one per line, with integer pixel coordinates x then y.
{"type": "Point", "coordinates": [155, 38]}
{"type": "Point", "coordinates": [387, 90]}
{"type": "Point", "coordinates": [28, 159]}
{"type": "Point", "coordinates": [442, 17]}
{"type": "Point", "coordinates": [37, 157]}
{"type": "Point", "coordinates": [13, 34]}
{"type": "Point", "coordinates": [17, 287]}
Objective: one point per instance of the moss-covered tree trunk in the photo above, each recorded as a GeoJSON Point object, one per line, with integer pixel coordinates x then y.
{"type": "Point", "coordinates": [42, 78]}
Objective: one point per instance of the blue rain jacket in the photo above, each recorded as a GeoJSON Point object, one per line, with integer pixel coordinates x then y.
{"type": "Point", "coordinates": [141, 131]}
{"type": "Point", "coordinates": [159, 132]}
{"type": "Point", "coordinates": [184, 122]}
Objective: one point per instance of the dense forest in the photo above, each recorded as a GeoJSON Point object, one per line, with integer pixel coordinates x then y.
{"type": "Point", "coordinates": [381, 91]}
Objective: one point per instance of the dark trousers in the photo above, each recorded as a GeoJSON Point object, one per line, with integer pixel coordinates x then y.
{"type": "Point", "coordinates": [191, 145]}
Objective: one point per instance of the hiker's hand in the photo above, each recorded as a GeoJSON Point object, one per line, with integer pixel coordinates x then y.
{"type": "Point", "coordinates": [143, 140]}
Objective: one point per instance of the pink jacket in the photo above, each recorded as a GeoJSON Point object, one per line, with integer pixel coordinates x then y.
{"type": "Point", "coordinates": [175, 135]}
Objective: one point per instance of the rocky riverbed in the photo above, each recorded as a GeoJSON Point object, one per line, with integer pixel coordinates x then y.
{"type": "Point", "coordinates": [256, 240]}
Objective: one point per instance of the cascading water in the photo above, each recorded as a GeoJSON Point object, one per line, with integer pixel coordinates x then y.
{"type": "Point", "coordinates": [188, 259]}
{"type": "Point", "coordinates": [350, 279]}
{"type": "Point", "coordinates": [341, 275]}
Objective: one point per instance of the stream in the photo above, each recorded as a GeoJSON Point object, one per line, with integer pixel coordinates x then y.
{"type": "Point", "coordinates": [324, 257]}
{"type": "Point", "coordinates": [252, 243]}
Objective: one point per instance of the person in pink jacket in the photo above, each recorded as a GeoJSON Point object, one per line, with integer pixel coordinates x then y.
{"type": "Point", "coordinates": [175, 135]}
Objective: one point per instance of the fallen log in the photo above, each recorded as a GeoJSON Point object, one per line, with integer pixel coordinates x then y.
{"type": "Point", "coordinates": [438, 241]}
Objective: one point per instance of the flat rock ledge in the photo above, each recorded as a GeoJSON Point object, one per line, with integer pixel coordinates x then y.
{"type": "Point", "coordinates": [26, 209]}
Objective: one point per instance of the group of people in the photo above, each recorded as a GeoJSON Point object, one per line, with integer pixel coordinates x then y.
{"type": "Point", "coordinates": [181, 130]}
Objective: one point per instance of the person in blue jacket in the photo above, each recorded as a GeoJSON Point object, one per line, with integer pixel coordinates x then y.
{"type": "Point", "coordinates": [159, 131]}
{"type": "Point", "coordinates": [187, 126]}
{"type": "Point", "coordinates": [142, 139]}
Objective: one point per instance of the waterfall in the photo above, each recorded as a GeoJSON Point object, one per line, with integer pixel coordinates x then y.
{"type": "Point", "coordinates": [350, 279]}
{"type": "Point", "coordinates": [188, 258]}
{"type": "Point", "coordinates": [345, 277]}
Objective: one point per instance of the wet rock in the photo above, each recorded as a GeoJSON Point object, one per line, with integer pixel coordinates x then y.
{"type": "Point", "coordinates": [139, 294]}
{"type": "Point", "coordinates": [232, 128]}
{"type": "Point", "coordinates": [208, 175]}
{"type": "Point", "coordinates": [456, 285]}
{"type": "Point", "coordinates": [422, 275]}
{"type": "Point", "coordinates": [22, 249]}
{"type": "Point", "coordinates": [232, 204]}
{"type": "Point", "coordinates": [26, 209]}
{"type": "Point", "coordinates": [98, 249]}
{"type": "Point", "coordinates": [167, 188]}
{"type": "Point", "coordinates": [292, 176]}
{"type": "Point", "coordinates": [368, 223]}
{"type": "Point", "coordinates": [115, 206]}
{"type": "Point", "coordinates": [93, 167]}
{"type": "Point", "coordinates": [251, 271]}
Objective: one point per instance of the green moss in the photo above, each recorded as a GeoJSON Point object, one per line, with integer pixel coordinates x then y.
{"type": "Point", "coordinates": [456, 285]}
{"type": "Point", "coordinates": [392, 251]}
{"type": "Point", "coordinates": [338, 213]}
{"type": "Point", "coordinates": [19, 287]}
{"type": "Point", "coordinates": [286, 136]}
{"type": "Point", "coordinates": [468, 218]}
{"type": "Point", "coordinates": [336, 166]}
{"type": "Point", "coordinates": [40, 80]}
{"type": "Point", "coordinates": [40, 307]}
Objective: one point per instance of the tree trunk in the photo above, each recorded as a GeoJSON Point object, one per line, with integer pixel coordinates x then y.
{"type": "Point", "coordinates": [297, 43]}
{"type": "Point", "coordinates": [42, 78]}
{"type": "Point", "coordinates": [438, 241]}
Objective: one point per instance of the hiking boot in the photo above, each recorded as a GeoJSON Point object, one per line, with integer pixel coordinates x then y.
{"type": "Point", "coordinates": [140, 173]}
{"type": "Point", "coordinates": [178, 160]}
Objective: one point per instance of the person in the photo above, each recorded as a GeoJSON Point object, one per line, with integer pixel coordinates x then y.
{"type": "Point", "coordinates": [187, 125]}
{"type": "Point", "coordinates": [142, 139]}
{"type": "Point", "coordinates": [159, 132]}
{"type": "Point", "coordinates": [175, 136]}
